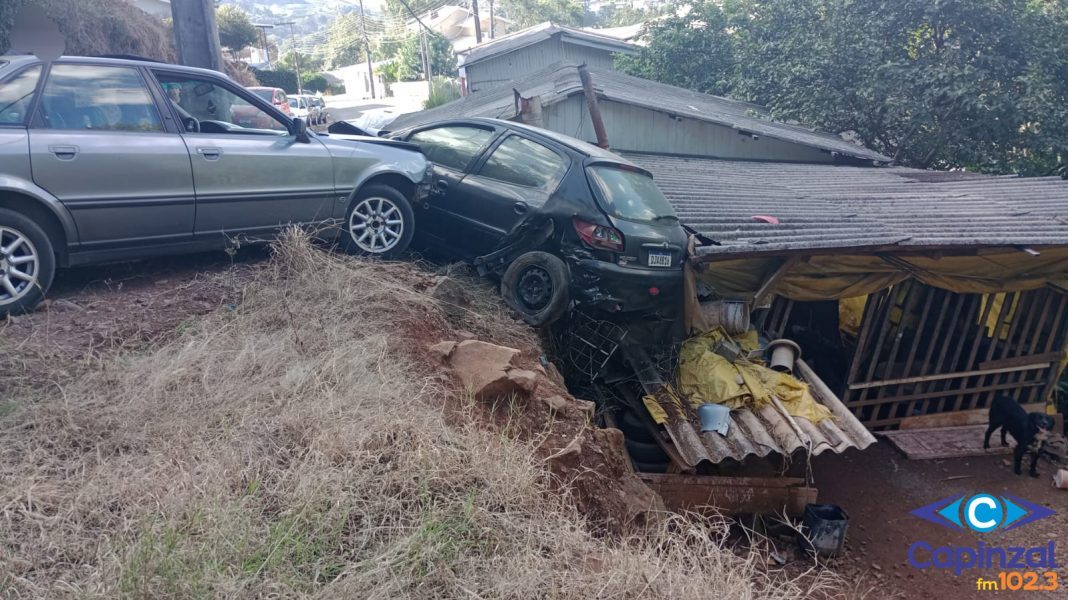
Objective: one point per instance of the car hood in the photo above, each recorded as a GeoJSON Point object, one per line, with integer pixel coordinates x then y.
{"type": "Point", "coordinates": [370, 140]}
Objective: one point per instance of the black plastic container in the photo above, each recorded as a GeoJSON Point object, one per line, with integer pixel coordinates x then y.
{"type": "Point", "coordinates": [826, 526]}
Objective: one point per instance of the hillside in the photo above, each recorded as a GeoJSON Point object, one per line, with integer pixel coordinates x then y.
{"type": "Point", "coordinates": [285, 429]}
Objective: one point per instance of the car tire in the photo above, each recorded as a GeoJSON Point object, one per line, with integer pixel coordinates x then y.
{"type": "Point", "coordinates": [27, 263]}
{"type": "Point", "coordinates": [537, 285]}
{"type": "Point", "coordinates": [385, 215]}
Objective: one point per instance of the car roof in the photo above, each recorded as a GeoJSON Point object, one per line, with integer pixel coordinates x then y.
{"type": "Point", "coordinates": [23, 59]}
{"type": "Point", "coordinates": [577, 145]}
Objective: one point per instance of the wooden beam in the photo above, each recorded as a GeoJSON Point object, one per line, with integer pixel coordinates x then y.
{"type": "Point", "coordinates": [1018, 361]}
{"type": "Point", "coordinates": [768, 287]}
{"type": "Point", "coordinates": [732, 495]}
{"type": "Point", "coordinates": [918, 379]}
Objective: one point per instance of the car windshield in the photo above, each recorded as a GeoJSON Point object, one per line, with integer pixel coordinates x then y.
{"type": "Point", "coordinates": [630, 194]}
{"type": "Point", "coordinates": [265, 94]}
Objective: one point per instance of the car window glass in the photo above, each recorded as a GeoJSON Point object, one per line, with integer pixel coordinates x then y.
{"type": "Point", "coordinates": [98, 97]}
{"type": "Point", "coordinates": [630, 194]}
{"type": "Point", "coordinates": [208, 107]}
{"type": "Point", "coordinates": [16, 95]}
{"type": "Point", "coordinates": [523, 162]}
{"type": "Point", "coordinates": [452, 147]}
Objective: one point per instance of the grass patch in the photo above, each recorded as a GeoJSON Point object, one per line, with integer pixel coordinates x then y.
{"type": "Point", "coordinates": [292, 447]}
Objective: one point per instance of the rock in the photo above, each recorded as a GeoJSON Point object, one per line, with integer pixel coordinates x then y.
{"type": "Point", "coordinates": [526, 380]}
{"type": "Point", "coordinates": [442, 350]}
{"type": "Point", "coordinates": [556, 404]}
{"type": "Point", "coordinates": [555, 376]}
{"type": "Point", "coordinates": [464, 335]}
{"type": "Point", "coordinates": [452, 296]}
{"type": "Point", "coordinates": [483, 368]}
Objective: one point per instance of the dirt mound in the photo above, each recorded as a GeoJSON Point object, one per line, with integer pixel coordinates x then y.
{"type": "Point", "coordinates": [523, 401]}
{"type": "Point", "coordinates": [306, 443]}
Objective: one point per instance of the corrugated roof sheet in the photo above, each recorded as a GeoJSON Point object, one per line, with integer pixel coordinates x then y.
{"type": "Point", "coordinates": [767, 430]}
{"type": "Point", "coordinates": [824, 207]}
{"type": "Point", "coordinates": [560, 81]}
{"type": "Point", "coordinates": [540, 33]}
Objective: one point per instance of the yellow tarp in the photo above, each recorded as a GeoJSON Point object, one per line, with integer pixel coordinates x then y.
{"type": "Point", "coordinates": [706, 377]}
{"type": "Point", "coordinates": [831, 277]}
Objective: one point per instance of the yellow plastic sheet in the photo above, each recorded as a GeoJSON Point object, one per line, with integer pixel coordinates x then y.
{"type": "Point", "coordinates": [832, 277]}
{"type": "Point", "coordinates": [706, 377]}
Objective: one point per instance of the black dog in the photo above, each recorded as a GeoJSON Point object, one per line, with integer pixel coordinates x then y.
{"type": "Point", "coordinates": [1028, 429]}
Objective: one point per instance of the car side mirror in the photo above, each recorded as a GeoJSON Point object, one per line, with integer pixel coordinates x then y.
{"type": "Point", "coordinates": [298, 128]}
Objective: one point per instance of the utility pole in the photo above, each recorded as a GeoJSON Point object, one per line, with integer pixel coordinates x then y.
{"type": "Point", "coordinates": [478, 22]}
{"type": "Point", "coordinates": [266, 49]}
{"type": "Point", "coordinates": [367, 48]}
{"type": "Point", "coordinates": [493, 22]}
{"type": "Point", "coordinates": [423, 44]}
{"type": "Point", "coordinates": [196, 35]}
{"type": "Point", "coordinates": [300, 83]}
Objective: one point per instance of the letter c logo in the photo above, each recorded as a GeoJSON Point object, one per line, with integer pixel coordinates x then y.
{"type": "Point", "coordinates": [983, 513]}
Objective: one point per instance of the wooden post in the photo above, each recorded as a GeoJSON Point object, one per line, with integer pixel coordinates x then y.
{"type": "Point", "coordinates": [594, 108]}
{"type": "Point", "coordinates": [196, 35]}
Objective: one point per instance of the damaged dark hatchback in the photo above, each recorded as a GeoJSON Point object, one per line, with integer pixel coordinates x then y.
{"type": "Point", "coordinates": [559, 221]}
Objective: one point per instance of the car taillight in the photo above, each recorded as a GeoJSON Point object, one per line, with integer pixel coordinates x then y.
{"type": "Point", "coordinates": [599, 236]}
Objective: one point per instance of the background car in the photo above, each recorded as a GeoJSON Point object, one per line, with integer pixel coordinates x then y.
{"type": "Point", "coordinates": [324, 112]}
{"type": "Point", "coordinates": [299, 107]}
{"type": "Point", "coordinates": [108, 159]}
{"type": "Point", "coordinates": [276, 96]}
{"type": "Point", "coordinates": [556, 218]}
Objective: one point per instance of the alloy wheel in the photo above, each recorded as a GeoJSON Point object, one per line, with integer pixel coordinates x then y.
{"type": "Point", "coordinates": [20, 265]}
{"type": "Point", "coordinates": [376, 225]}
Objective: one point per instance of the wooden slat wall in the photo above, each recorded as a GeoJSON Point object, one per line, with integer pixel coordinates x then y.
{"type": "Point", "coordinates": [939, 344]}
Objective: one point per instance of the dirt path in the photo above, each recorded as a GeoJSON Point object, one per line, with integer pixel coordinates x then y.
{"type": "Point", "coordinates": [879, 487]}
{"type": "Point", "coordinates": [94, 310]}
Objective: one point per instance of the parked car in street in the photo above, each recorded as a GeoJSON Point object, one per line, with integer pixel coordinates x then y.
{"type": "Point", "coordinates": [107, 160]}
{"type": "Point", "coordinates": [557, 219]}
{"type": "Point", "coordinates": [276, 96]}
{"type": "Point", "coordinates": [301, 108]}
{"type": "Point", "coordinates": [324, 112]}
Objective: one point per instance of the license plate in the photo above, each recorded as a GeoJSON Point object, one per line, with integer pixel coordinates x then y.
{"type": "Point", "coordinates": [659, 259]}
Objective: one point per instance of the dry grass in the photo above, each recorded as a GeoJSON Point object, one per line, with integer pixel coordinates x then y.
{"type": "Point", "coordinates": [287, 448]}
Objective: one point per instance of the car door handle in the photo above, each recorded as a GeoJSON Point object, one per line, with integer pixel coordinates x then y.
{"type": "Point", "coordinates": [520, 208]}
{"type": "Point", "coordinates": [64, 152]}
{"type": "Point", "coordinates": [210, 153]}
{"type": "Point", "coordinates": [441, 184]}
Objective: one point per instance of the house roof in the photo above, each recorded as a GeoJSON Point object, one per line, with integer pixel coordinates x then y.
{"type": "Point", "coordinates": [826, 207]}
{"type": "Point", "coordinates": [560, 81]}
{"type": "Point", "coordinates": [540, 33]}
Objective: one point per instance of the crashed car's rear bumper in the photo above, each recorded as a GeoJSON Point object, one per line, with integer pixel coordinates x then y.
{"type": "Point", "coordinates": [610, 287]}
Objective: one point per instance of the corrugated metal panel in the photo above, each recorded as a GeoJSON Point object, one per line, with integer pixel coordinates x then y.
{"type": "Point", "coordinates": [827, 207]}
{"type": "Point", "coordinates": [767, 430]}
{"type": "Point", "coordinates": [668, 117]}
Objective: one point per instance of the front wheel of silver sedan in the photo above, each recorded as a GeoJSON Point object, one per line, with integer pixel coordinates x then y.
{"type": "Point", "coordinates": [379, 223]}
{"type": "Point", "coordinates": [27, 263]}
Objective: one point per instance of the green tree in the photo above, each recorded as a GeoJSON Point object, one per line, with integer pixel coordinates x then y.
{"type": "Point", "coordinates": [344, 42]}
{"type": "Point", "coordinates": [299, 61]}
{"type": "Point", "coordinates": [525, 13]}
{"type": "Point", "coordinates": [694, 50]}
{"type": "Point", "coordinates": [407, 58]}
{"type": "Point", "coordinates": [235, 28]}
{"type": "Point", "coordinates": [980, 84]}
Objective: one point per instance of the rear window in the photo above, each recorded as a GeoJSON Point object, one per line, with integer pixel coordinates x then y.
{"type": "Point", "coordinates": [630, 195]}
